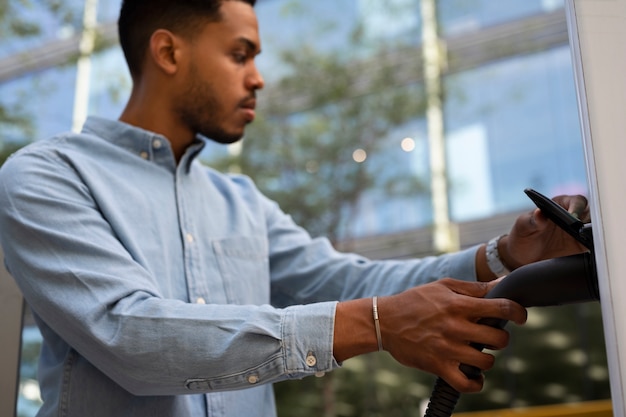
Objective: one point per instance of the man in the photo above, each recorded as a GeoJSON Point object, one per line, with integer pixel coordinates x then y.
{"type": "Point", "coordinates": [163, 288]}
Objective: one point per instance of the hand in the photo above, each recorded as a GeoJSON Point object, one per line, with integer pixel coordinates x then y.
{"type": "Point", "coordinates": [534, 237]}
{"type": "Point", "coordinates": [430, 327]}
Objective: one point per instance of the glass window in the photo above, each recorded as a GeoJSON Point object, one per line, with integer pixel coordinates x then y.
{"type": "Point", "coordinates": [401, 200]}
{"type": "Point", "coordinates": [108, 11]}
{"type": "Point", "coordinates": [110, 84]}
{"type": "Point", "coordinates": [42, 102]}
{"type": "Point", "coordinates": [331, 25]}
{"type": "Point", "coordinates": [351, 42]}
{"type": "Point", "coordinates": [29, 398]}
{"type": "Point", "coordinates": [512, 125]}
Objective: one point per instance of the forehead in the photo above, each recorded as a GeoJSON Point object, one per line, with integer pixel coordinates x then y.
{"type": "Point", "coordinates": [238, 22]}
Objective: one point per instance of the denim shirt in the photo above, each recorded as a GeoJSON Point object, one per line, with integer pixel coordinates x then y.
{"type": "Point", "coordinates": [169, 289]}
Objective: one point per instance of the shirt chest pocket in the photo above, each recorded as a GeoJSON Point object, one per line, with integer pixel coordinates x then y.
{"type": "Point", "coordinates": [244, 266]}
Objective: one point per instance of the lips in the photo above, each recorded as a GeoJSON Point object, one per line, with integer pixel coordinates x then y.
{"type": "Point", "coordinates": [248, 107]}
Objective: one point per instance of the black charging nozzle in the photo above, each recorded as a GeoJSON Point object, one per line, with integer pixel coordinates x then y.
{"type": "Point", "coordinates": [566, 280]}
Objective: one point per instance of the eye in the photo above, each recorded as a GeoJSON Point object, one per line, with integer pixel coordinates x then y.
{"type": "Point", "coordinates": [240, 57]}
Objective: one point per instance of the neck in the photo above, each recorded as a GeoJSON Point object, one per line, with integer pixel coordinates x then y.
{"type": "Point", "coordinates": [152, 113]}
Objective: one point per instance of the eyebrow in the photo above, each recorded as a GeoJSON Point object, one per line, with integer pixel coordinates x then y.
{"type": "Point", "coordinates": [250, 45]}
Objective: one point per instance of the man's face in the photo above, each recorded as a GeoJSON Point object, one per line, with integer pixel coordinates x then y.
{"type": "Point", "coordinates": [219, 95]}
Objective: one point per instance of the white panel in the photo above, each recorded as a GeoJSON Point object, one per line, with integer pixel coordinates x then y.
{"type": "Point", "coordinates": [598, 39]}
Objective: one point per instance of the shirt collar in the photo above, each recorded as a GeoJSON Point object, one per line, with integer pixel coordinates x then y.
{"type": "Point", "coordinates": [144, 143]}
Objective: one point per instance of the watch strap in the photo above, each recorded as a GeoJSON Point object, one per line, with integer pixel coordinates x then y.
{"type": "Point", "coordinates": [493, 257]}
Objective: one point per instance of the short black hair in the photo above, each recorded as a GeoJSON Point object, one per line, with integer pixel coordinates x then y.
{"type": "Point", "coordinates": [139, 19]}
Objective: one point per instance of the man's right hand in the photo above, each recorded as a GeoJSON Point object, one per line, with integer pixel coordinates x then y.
{"type": "Point", "coordinates": [430, 327]}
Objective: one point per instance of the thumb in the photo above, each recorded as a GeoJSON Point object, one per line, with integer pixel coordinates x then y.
{"type": "Point", "coordinates": [472, 289]}
{"type": "Point", "coordinates": [492, 284]}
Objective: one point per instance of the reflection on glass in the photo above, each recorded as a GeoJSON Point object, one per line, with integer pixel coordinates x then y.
{"type": "Point", "coordinates": [42, 102]}
{"type": "Point", "coordinates": [29, 399]}
{"type": "Point", "coordinates": [463, 16]}
{"type": "Point", "coordinates": [512, 125]}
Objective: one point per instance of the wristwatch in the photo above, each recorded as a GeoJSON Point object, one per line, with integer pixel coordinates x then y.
{"type": "Point", "coordinates": [493, 257]}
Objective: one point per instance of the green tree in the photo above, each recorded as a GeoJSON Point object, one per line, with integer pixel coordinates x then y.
{"type": "Point", "coordinates": [306, 159]}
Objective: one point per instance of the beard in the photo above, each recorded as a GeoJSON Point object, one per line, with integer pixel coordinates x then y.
{"type": "Point", "coordinates": [200, 110]}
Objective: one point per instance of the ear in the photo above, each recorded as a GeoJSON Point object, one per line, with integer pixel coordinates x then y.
{"type": "Point", "coordinates": [164, 51]}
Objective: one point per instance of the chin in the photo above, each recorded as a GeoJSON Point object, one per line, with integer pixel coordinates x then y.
{"type": "Point", "coordinates": [224, 139]}
{"type": "Point", "coordinates": [223, 135]}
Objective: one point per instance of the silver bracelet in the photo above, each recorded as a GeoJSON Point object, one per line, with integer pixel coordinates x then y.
{"type": "Point", "coordinates": [376, 322]}
{"type": "Point", "coordinates": [493, 257]}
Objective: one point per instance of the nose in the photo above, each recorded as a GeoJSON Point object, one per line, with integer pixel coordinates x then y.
{"type": "Point", "coordinates": [255, 79]}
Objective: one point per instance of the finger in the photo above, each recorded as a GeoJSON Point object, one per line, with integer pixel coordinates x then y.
{"type": "Point", "coordinates": [526, 220]}
{"type": "Point", "coordinates": [479, 307]}
{"type": "Point", "coordinates": [532, 222]}
{"type": "Point", "coordinates": [477, 289]}
{"type": "Point", "coordinates": [463, 352]}
{"type": "Point", "coordinates": [576, 205]}
{"type": "Point", "coordinates": [460, 382]}
{"type": "Point", "coordinates": [580, 208]}
{"type": "Point", "coordinates": [492, 338]}
{"type": "Point", "coordinates": [477, 358]}
{"type": "Point", "coordinates": [539, 220]}
{"type": "Point", "coordinates": [501, 309]}
{"type": "Point", "coordinates": [511, 311]}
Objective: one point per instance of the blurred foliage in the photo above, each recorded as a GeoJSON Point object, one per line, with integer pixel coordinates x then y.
{"type": "Point", "coordinates": [304, 160]}
{"type": "Point", "coordinates": [24, 23]}
{"type": "Point", "coordinates": [22, 18]}
{"type": "Point", "coordinates": [7, 149]}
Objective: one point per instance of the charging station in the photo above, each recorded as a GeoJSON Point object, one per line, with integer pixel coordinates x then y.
{"type": "Point", "coordinates": [597, 33]}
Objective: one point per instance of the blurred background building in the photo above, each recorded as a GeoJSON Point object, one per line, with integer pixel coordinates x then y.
{"type": "Point", "coordinates": [398, 128]}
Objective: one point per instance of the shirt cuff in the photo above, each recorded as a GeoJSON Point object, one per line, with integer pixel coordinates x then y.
{"type": "Point", "coordinates": [462, 264]}
{"type": "Point", "coordinates": [308, 339]}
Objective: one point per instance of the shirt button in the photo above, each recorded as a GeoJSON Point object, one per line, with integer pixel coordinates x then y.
{"type": "Point", "coordinates": [156, 144]}
{"type": "Point", "coordinates": [320, 374]}
{"type": "Point", "coordinates": [144, 155]}
{"type": "Point", "coordinates": [200, 300]}
{"type": "Point", "coordinates": [253, 379]}
{"type": "Point", "coordinates": [311, 360]}
{"type": "Point", "coordinates": [189, 238]}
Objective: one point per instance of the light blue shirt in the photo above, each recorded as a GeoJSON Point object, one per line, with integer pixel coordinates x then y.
{"type": "Point", "coordinates": [165, 289]}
